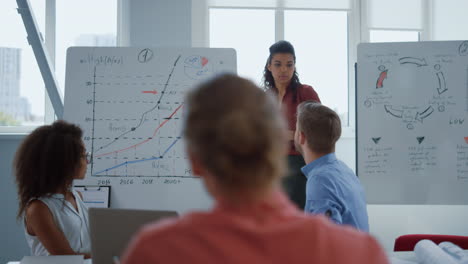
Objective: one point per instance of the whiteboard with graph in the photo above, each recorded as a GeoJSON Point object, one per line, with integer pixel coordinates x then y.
{"type": "Point", "coordinates": [412, 122]}
{"type": "Point", "coordinates": [130, 103]}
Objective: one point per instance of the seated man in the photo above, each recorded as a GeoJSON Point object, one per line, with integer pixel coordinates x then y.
{"type": "Point", "coordinates": [332, 187]}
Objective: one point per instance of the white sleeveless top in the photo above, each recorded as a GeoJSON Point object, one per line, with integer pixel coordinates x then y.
{"type": "Point", "coordinates": [74, 225]}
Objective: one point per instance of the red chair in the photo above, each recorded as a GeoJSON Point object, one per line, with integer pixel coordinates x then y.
{"type": "Point", "coordinates": [407, 242]}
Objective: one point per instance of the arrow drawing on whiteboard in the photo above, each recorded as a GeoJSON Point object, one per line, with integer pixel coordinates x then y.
{"type": "Point", "coordinates": [151, 92]}
{"type": "Point", "coordinates": [424, 114]}
{"type": "Point", "coordinates": [394, 112]}
{"type": "Point", "coordinates": [442, 85]}
{"type": "Point", "coordinates": [376, 139]}
{"type": "Point", "coordinates": [412, 60]}
{"type": "Point", "coordinates": [420, 139]}
{"type": "Point", "coordinates": [382, 77]}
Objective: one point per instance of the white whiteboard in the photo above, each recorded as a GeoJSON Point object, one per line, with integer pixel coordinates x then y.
{"type": "Point", "coordinates": [412, 122]}
{"type": "Point", "coordinates": [130, 103]}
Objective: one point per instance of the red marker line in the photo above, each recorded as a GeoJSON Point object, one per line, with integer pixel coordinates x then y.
{"type": "Point", "coordinates": [144, 141]}
{"type": "Point", "coordinates": [383, 75]}
{"type": "Point", "coordinates": [153, 92]}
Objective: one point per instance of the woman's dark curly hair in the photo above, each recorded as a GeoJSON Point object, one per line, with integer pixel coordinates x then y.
{"type": "Point", "coordinates": [47, 161]}
{"type": "Point", "coordinates": [281, 46]}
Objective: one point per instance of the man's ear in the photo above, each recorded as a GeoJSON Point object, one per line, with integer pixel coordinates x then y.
{"type": "Point", "coordinates": [302, 138]}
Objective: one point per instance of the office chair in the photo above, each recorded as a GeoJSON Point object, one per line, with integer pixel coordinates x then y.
{"type": "Point", "coordinates": [407, 242]}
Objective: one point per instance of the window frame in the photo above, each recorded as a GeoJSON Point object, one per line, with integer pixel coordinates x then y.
{"type": "Point", "coordinates": [200, 33]}
{"type": "Point", "coordinates": [425, 31]}
{"type": "Point", "coordinates": [49, 42]}
{"type": "Point", "coordinates": [358, 31]}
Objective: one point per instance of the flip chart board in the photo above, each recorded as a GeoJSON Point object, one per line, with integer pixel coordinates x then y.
{"type": "Point", "coordinates": [130, 103]}
{"type": "Point", "coordinates": [412, 122]}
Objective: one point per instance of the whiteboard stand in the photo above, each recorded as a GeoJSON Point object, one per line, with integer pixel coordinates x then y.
{"type": "Point", "coordinates": [42, 56]}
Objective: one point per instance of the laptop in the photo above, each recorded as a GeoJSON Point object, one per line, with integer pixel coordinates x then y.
{"type": "Point", "coordinates": [112, 229]}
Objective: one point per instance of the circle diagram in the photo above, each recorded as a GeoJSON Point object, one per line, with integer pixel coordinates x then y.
{"type": "Point", "coordinates": [197, 67]}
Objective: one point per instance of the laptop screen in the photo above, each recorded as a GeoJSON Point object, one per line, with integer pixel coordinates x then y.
{"type": "Point", "coordinates": [112, 229]}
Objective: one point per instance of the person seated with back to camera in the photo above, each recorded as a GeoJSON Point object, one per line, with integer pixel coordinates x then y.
{"type": "Point", "coordinates": [54, 215]}
{"type": "Point", "coordinates": [236, 138]}
{"type": "Point", "coordinates": [332, 187]}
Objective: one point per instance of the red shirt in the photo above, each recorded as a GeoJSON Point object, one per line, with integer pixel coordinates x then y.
{"type": "Point", "coordinates": [289, 107]}
{"type": "Point", "coordinates": [269, 231]}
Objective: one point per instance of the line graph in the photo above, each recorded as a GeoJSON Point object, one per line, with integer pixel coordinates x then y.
{"type": "Point", "coordinates": [130, 104]}
{"type": "Point", "coordinates": [145, 113]}
{"type": "Point", "coordinates": [138, 143]}
{"type": "Point", "coordinates": [144, 141]}
{"type": "Point", "coordinates": [138, 161]}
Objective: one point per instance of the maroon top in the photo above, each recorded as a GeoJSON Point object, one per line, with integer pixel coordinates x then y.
{"type": "Point", "coordinates": [289, 107]}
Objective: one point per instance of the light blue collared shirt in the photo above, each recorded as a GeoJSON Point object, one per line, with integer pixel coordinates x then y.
{"type": "Point", "coordinates": [333, 189]}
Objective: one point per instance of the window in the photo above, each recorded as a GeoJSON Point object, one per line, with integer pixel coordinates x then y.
{"type": "Point", "coordinates": [83, 23]}
{"type": "Point", "coordinates": [322, 54]}
{"type": "Point", "coordinates": [320, 39]}
{"type": "Point", "coordinates": [250, 37]}
{"type": "Point", "coordinates": [22, 93]}
{"type": "Point", "coordinates": [395, 14]}
{"type": "Point", "coordinates": [324, 33]}
{"type": "Point", "coordinates": [389, 22]}
{"type": "Point", "coordinates": [450, 20]}
{"type": "Point", "coordinates": [393, 36]}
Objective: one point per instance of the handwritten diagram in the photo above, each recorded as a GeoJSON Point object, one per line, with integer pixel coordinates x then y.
{"type": "Point", "coordinates": [412, 106]}
{"type": "Point", "coordinates": [132, 106]}
{"type": "Point", "coordinates": [417, 112]}
{"type": "Point", "coordinates": [197, 67]}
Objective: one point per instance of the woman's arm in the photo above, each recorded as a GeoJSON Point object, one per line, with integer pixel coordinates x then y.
{"type": "Point", "coordinates": [40, 223]}
{"type": "Point", "coordinates": [308, 93]}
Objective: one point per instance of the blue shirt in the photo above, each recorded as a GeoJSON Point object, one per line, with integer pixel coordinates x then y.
{"type": "Point", "coordinates": [333, 189]}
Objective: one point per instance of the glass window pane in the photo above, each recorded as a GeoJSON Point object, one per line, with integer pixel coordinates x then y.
{"type": "Point", "coordinates": [250, 35]}
{"type": "Point", "coordinates": [83, 23]}
{"type": "Point", "coordinates": [450, 20]}
{"type": "Point", "coordinates": [322, 54]}
{"type": "Point", "coordinates": [341, 4]}
{"type": "Point", "coordinates": [242, 3]}
{"type": "Point", "coordinates": [395, 14]}
{"type": "Point", "coordinates": [21, 84]}
{"type": "Point", "coordinates": [393, 36]}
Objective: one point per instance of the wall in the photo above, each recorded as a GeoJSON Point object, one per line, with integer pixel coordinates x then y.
{"type": "Point", "coordinates": [13, 244]}
{"type": "Point", "coordinates": [156, 23]}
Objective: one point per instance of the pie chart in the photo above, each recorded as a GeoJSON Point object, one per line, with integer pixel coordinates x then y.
{"type": "Point", "coordinates": [197, 67]}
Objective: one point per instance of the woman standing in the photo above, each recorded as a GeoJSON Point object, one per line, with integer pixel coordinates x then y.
{"type": "Point", "coordinates": [281, 79]}
{"type": "Point", "coordinates": [54, 215]}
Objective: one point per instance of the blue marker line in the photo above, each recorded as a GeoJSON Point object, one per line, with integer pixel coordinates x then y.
{"type": "Point", "coordinates": [137, 161]}
{"type": "Point", "coordinates": [124, 163]}
{"type": "Point", "coordinates": [173, 143]}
